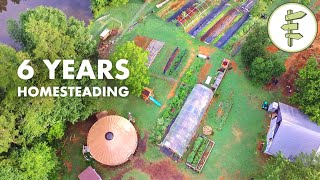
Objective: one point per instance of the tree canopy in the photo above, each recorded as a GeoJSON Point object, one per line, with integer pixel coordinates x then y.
{"type": "Point", "coordinates": [304, 167]}
{"type": "Point", "coordinates": [47, 32]}
{"type": "Point", "coordinates": [98, 5]}
{"type": "Point", "coordinates": [307, 95]}
{"type": "Point", "coordinates": [137, 57]}
{"type": "Point", "coordinates": [263, 70]}
{"type": "Point", "coordinates": [255, 45]}
{"type": "Point", "coordinates": [38, 162]}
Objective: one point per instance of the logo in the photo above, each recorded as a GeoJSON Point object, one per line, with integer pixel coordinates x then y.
{"type": "Point", "coordinates": [292, 27]}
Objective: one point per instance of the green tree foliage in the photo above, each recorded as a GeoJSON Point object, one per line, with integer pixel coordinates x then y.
{"type": "Point", "coordinates": [118, 2]}
{"type": "Point", "coordinates": [37, 162]}
{"type": "Point", "coordinates": [98, 5]}
{"type": "Point", "coordinates": [137, 58]}
{"type": "Point", "coordinates": [255, 45]}
{"type": "Point", "coordinates": [304, 167]}
{"type": "Point", "coordinates": [262, 70]}
{"type": "Point", "coordinates": [46, 32]}
{"type": "Point", "coordinates": [307, 95]}
{"type": "Point", "coordinates": [259, 8]}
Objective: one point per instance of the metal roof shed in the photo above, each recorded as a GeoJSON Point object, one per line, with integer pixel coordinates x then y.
{"type": "Point", "coordinates": [292, 133]}
{"type": "Point", "coordinates": [89, 174]}
{"type": "Point", "coordinates": [186, 124]}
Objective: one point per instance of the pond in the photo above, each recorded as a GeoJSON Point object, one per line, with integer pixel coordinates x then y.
{"type": "Point", "coordinates": [10, 9]}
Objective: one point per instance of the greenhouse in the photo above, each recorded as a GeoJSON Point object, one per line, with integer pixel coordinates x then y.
{"type": "Point", "coordinates": [186, 124]}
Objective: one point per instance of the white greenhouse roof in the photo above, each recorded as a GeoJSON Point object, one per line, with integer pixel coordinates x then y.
{"type": "Point", "coordinates": [188, 120]}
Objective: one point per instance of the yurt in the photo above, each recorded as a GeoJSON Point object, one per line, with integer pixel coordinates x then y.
{"type": "Point", "coordinates": [112, 140]}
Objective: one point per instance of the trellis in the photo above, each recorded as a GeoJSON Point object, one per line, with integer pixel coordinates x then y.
{"type": "Point", "coordinates": [201, 6]}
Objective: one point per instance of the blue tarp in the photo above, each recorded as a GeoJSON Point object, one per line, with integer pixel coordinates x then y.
{"type": "Point", "coordinates": [295, 134]}
{"type": "Point", "coordinates": [210, 17]}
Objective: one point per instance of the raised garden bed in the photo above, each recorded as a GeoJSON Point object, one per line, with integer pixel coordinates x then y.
{"type": "Point", "coordinates": [151, 45]}
{"type": "Point", "coordinates": [182, 56]}
{"type": "Point", "coordinates": [172, 57]}
{"type": "Point", "coordinates": [199, 154]}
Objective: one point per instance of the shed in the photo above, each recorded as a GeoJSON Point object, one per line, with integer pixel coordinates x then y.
{"type": "Point", "coordinates": [105, 34]}
{"type": "Point", "coordinates": [112, 140]}
{"type": "Point", "coordinates": [291, 132]}
{"type": "Point", "coordinates": [89, 174]}
{"type": "Point", "coordinates": [186, 124]}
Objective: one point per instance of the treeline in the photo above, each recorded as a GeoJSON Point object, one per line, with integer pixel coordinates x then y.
{"type": "Point", "coordinates": [263, 66]}
{"type": "Point", "coordinates": [32, 127]}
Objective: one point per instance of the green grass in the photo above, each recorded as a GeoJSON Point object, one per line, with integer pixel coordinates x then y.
{"type": "Point", "coordinates": [234, 155]}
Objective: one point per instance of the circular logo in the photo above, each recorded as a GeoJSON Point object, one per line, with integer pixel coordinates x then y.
{"type": "Point", "coordinates": [292, 27]}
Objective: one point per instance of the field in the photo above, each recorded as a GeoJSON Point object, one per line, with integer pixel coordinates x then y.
{"type": "Point", "coordinates": [235, 155]}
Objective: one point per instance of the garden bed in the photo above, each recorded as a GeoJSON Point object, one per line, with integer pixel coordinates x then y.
{"type": "Point", "coordinates": [220, 26]}
{"type": "Point", "coordinates": [239, 35]}
{"type": "Point", "coordinates": [209, 18]}
{"type": "Point", "coordinates": [186, 15]}
{"type": "Point", "coordinates": [199, 154]}
{"type": "Point", "coordinates": [173, 56]}
{"type": "Point", "coordinates": [173, 71]}
{"type": "Point", "coordinates": [172, 6]}
{"type": "Point", "coordinates": [220, 112]}
{"type": "Point", "coordinates": [185, 7]}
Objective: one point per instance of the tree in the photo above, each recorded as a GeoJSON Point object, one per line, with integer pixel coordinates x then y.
{"type": "Point", "coordinates": [37, 162]}
{"type": "Point", "coordinates": [45, 32]}
{"type": "Point", "coordinates": [304, 167]}
{"type": "Point", "coordinates": [255, 45]}
{"type": "Point", "coordinates": [137, 58]}
{"type": "Point", "coordinates": [307, 95]}
{"type": "Point", "coordinates": [8, 131]}
{"type": "Point", "coordinates": [262, 70]}
{"type": "Point", "coordinates": [259, 8]}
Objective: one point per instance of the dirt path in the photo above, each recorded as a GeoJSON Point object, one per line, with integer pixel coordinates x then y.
{"type": "Point", "coordinates": [165, 169]}
{"type": "Point", "coordinates": [204, 71]}
{"type": "Point", "coordinates": [206, 50]}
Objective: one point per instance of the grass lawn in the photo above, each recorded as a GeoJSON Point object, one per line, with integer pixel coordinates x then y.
{"type": "Point", "coordinates": [234, 155]}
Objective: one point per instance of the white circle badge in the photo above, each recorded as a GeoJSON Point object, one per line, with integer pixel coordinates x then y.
{"type": "Point", "coordinates": [292, 27]}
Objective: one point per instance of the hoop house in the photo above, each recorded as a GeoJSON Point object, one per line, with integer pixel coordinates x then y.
{"type": "Point", "coordinates": [186, 124]}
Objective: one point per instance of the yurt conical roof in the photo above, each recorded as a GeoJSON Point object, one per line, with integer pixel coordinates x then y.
{"type": "Point", "coordinates": [112, 140]}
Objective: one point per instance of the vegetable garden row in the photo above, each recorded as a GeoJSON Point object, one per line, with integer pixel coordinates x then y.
{"type": "Point", "coordinates": [175, 104]}
{"type": "Point", "coordinates": [199, 154]}
{"type": "Point", "coordinates": [219, 24]}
